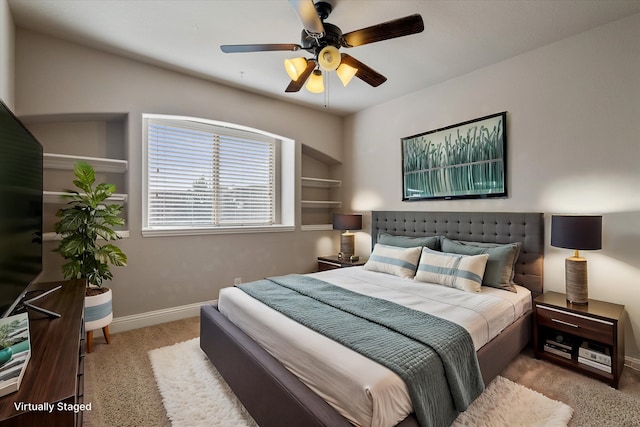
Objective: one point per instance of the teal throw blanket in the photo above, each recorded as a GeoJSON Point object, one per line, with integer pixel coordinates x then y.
{"type": "Point", "coordinates": [435, 357]}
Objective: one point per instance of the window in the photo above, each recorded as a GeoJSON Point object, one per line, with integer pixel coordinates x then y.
{"type": "Point", "coordinates": [203, 176]}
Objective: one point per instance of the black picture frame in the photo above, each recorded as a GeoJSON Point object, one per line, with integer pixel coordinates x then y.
{"type": "Point", "coordinates": [467, 160]}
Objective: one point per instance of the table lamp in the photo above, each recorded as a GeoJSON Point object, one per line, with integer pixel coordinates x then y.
{"type": "Point", "coordinates": [577, 232]}
{"type": "Point", "coordinates": [346, 223]}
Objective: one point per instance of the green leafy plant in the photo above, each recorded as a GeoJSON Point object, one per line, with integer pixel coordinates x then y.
{"type": "Point", "coordinates": [82, 225]}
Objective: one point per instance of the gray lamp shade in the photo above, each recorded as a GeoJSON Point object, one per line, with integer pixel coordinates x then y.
{"type": "Point", "coordinates": [578, 232]}
{"type": "Point", "coordinates": [347, 222]}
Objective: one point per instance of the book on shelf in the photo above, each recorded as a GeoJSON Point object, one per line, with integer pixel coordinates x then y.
{"type": "Point", "coordinates": [558, 351]}
{"type": "Point", "coordinates": [595, 352]}
{"type": "Point", "coordinates": [14, 337]}
{"type": "Point", "coordinates": [593, 364]}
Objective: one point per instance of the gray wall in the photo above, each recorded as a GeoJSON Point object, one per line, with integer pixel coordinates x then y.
{"type": "Point", "coordinates": [56, 77]}
{"type": "Point", "coordinates": [573, 128]}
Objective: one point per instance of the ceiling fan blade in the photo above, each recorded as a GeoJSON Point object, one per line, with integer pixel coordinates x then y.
{"type": "Point", "coordinates": [411, 24]}
{"type": "Point", "coordinates": [308, 15]}
{"type": "Point", "coordinates": [238, 48]}
{"type": "Point", "coordinates": [364, 73]}
{"type": "Point", "coordinates": [296, 85]}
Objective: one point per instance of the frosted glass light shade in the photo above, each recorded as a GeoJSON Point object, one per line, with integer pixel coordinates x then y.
{"type": "Point", "coordinates": [345, 73]}
{"type": "Point", "coordinates": [315, 83]}
{"type": "Point", "coordinates": [295, 67]}
{"type": "Point", "coordinates": [329, 58]}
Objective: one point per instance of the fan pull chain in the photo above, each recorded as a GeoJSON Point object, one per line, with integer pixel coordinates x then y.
{"type": "Point", "coordinates": [326, 91]}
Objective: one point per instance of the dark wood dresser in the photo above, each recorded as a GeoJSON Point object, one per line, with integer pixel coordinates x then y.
{"type": "Point", "coordinates": [55, 372]}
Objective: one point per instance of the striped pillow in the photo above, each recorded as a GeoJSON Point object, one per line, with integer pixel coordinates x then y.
{"type": "Point", "coordinates": [500, 265]}
{"type": "Point", "coordinates": [455, 271]}
{"type": "Point", "coordinates": [400, 262]}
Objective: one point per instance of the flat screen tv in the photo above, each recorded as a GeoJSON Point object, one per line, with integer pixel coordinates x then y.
{"type": "Point", "coordinates": [20, 210]}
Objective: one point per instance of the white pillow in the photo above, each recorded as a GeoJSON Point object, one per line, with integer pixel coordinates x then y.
{"type": "Point", "coordinates": [455, 271]}
{"type": "Point", "coordinates": [394, 260]}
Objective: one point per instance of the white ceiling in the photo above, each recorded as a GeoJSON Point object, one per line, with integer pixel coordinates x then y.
{"type": "Point", "coordinates": [459, 37]}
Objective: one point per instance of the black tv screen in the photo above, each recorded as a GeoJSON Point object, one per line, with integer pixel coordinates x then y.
{"type": "Point", "coordinates": [20, 209]}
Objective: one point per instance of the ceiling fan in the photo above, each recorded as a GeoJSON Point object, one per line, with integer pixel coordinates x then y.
{"type": "Point", "coordinates": [323, 40]}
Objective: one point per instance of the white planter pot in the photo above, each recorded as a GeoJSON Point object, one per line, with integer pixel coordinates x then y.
{"type": "Point", "coordinates": [98, 312]}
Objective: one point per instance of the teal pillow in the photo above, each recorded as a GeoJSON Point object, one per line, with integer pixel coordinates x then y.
{"type": "Point", "coordinates": [431, 242]}
{"type": "Point", "coordinates": [500, 265]}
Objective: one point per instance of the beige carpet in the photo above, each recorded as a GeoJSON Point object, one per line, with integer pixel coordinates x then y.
{"type": "Point", "coordinates": [594, 403]}
{"type": "Point", "coordinates": [119, 383]}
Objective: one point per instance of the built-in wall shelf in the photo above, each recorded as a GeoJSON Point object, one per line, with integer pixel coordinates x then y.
{"type": "Point", "coordinates": [99, 139]}
{"type": "Point", "coordinates": [100, 164]}
{"type": "Point", "coordinates": [320, 190]}
{"type": "Point", "coordinates": [58, 197]}
{"type": "Point", "coordinates": [320, 182]}
{"type": "Point", "coordinates": [320, 204]}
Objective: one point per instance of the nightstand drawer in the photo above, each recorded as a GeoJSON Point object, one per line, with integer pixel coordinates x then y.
{"type": "Point", "coordinates": [326, 265]}
{"type": "Point", "coordinates": [333, 261]}
{"type": "Point", "coordinates": [599, 330]}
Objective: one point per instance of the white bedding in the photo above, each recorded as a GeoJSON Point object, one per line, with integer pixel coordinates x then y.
{"type": "Point", "coordinates": [363, 391]}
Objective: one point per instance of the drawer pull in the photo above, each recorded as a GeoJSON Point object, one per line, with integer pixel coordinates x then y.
{"type": "Point", "coordinates": [565, 323]}
{"type": "Point", "coordinates": [330, 263]}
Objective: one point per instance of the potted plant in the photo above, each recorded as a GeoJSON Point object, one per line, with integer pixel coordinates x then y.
{"type": "Point", "coordinates": [86, 228]}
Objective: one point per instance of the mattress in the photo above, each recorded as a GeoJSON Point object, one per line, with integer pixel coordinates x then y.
{"type": "Point", "coordinates": [363, 391]}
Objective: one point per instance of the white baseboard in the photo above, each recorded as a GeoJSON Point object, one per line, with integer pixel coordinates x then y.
{"type": "Point", "coordinates": [632, 363]}
{"type": "Point", "coordinates": [150, 318]}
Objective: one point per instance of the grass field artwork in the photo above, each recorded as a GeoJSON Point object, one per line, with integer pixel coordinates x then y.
{"type": "Point", "coordinates": [466, 160]}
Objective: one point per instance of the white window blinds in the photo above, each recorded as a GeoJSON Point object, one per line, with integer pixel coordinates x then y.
{"type": "Point", "coordinates": [203, 175]}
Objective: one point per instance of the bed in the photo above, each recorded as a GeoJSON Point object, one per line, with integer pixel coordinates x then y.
{"type": "Point", "coordinates": [275, 396]}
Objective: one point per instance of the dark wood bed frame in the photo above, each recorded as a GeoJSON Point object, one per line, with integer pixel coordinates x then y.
{"type": "Point", "coordinates": [275, 397]}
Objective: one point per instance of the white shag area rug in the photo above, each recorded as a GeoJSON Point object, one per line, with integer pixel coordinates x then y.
{"type": "Point", "coordinates": [194, 394]}
{"type": "Point", "coordinates": [505, 403]}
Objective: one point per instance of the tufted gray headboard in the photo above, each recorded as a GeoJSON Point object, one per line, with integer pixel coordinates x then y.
{"type": "Point", "coordinates": [493, 227]}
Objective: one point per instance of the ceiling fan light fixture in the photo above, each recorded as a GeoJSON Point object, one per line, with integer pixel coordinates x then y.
{"type": "Point", "coordinates": [345, 73]}
{"type": "Point", "coordinates": [295, 67]}
{"type": "Point", "coordinates": [315, 83]}
{"type": "Point", "coordinates": [329, 58]}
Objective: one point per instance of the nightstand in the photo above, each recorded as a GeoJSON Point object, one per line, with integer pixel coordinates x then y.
{"type": "Point", "coordinates": [332, 261]}
{"type": "Point", "coordinates": [561, 328]}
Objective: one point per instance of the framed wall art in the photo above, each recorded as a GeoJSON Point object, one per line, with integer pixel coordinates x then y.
{"type": "Point", "coordinates": [465, 160]}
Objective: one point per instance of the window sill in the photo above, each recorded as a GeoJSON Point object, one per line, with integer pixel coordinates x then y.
{"type": "Point", "coordinates": [163, 232]}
